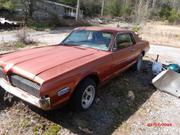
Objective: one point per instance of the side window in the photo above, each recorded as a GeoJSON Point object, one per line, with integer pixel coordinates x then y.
{"type": "Point", "coordinates": [123, 41]}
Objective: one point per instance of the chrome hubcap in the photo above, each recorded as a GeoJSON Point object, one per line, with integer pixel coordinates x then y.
{"type": "Point", "coordinates": [88, 97]}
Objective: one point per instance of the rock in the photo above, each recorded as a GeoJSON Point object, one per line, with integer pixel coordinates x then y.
{"type": "Point", "coordinates": [86, 130]}
{"type": "Point", "coordinates": [131, 95]}
{"type": "Point", "coordinates": [97, 100]}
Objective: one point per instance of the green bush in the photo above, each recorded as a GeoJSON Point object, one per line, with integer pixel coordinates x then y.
{"type": "Point", "coordinates": [115, 8]}
{"type": "Point", "coordinates": [126, 10]}
{"type": "Point", "coordinates": [19, 44]}
{"type": "Point", "coordinates": [169, 13]}
{"type": "Point", "coordinates": [112, 8]}
{"type": "Point", "coordinates": [7, 4]}
{"type": "Point", "coordinates": [37, 25]}
{"type": "Point", "coordinates": [174, 16]}
{"type": "Point", "coordinates": [165, 11]}
{"type": "Point", "coordinates": [136, 28]}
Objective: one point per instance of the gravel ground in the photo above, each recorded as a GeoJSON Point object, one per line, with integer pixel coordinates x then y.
{"type": "Point", "coordinates": [159, 108]}
{"type": "Point", "coordinates": [44, 37]}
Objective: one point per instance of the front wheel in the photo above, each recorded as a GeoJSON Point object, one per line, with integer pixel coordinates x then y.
{"type": "Point", "coordinates": [84, 95]}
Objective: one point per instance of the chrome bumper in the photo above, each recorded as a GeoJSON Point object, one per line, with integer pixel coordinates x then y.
{"type": "Point", "coordinates": [43, 103]}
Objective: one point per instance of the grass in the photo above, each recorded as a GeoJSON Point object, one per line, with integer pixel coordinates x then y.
{"type": "Point", "coordinates": [37, 25]}
{"type": "Point", "coordinates": [136, 28]}
{"type": "Point", "coordinates": [161, 34]}
{"type": "Point", "coordinates": [19, 44]}
{"type": "Point", "coordinates": [24, 123]}
{"type": "Point", "coordinates": [12, 46]}
{"type": "Point", "coordinates": [52, 130]}
{"type": "Point", "coordinates": [37, 129]}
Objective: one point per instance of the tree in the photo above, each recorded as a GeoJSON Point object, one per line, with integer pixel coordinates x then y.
{"type": "Point", "coordinates": [113, 8]}
{"type": "Point", "coordinates": [7, 4]}
{"type": "Point", "coordinates": [136, 10]}
{"type": "Point", "coordinates": [91, 8]}
{"type": "Point", "coordinates": [28, 8]}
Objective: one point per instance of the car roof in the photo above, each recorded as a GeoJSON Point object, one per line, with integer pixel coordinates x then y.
{"type": "Point", "coordinates": [105, 29]}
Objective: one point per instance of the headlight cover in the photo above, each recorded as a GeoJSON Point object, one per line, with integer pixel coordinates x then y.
{"type": "Point", "coordinates": [25, 84]}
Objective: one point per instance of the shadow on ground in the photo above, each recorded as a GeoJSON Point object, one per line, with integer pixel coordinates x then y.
{"type": "Point", "coordinates": [115, 103]}
{"type": "Point", "coordinates": [6, 103]}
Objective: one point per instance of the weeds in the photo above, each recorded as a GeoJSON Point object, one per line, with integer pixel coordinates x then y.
{"type": "Point", "coordinates": [24, 37]}
{"type": "Point", "coordinates": [37, 25]}
{"type": "Point", "coordinates": [19, 44]}
{"type": "Point", "coordinates": [136, 28]}
{"type": "Point", "coordinates": [53, 130]}
{"type": "Point", "coordinates": [24, 123]}
{"type": "Point", "coordinates": [37, 129]}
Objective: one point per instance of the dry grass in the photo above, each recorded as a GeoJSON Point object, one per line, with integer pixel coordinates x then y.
{"type": "Point", "coordinates": [161, 34]}
{"type": "Point", "coordinates": [24, 37]}
{"type": "Point", "coordinates": [8, 47]}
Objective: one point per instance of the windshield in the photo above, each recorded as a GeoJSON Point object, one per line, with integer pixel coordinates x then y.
{"type": "Point", "coordinates": [91, 39]}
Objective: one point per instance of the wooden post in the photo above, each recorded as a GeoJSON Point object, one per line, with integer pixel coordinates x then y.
{"type": "Point", "coordinates": [77, 9]}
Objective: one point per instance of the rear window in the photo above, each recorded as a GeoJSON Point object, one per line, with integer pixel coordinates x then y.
{"type": "Point", "coordinates": [123, 41]}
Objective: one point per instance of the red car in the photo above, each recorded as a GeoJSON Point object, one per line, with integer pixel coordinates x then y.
{"type": "Point", "coordinates": [51, 76]}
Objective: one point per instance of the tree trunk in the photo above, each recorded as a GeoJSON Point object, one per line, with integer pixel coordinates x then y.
{"type": "Point", "coordinates": [31, 4]}
{"type": "Point", "coordinates": [153, 4]}
{"type": "Point", "coordinates": [77, 10]}
{"type": "Point", "coordinates": [102, 8]}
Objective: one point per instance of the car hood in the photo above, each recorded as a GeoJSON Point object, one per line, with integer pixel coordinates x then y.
{"type": "Point", "coordinates": [31, 63]}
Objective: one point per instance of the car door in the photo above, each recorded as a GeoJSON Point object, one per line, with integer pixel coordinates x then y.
{"type": "Point", "coordinates": [124, 52]}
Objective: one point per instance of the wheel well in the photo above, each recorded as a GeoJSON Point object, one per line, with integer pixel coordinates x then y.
{"type": "Point", "coordinates": [92, 76]}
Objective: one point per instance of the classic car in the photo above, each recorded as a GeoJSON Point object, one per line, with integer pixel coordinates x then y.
{"type": "Point", "coordinates": [70, 72]}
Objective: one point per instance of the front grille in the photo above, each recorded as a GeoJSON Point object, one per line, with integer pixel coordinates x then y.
{"type": "Point", "coordinates": [25, 84]}
{"type": "Point", "coordinates": [2, 75]}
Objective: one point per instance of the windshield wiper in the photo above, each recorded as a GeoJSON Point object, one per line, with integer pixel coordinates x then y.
{"type": "Point", "coordinates": [80, 46]}
{"type": "Point", "coordinates": [91, 47]}
{"type": "Point", "coordinates": [64, 44]}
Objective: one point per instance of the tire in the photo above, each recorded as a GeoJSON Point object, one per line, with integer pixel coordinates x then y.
{"type": "Point", "coordinates": [2, 92]}
{"type": "Point", "coordinates": [139, 64]}
{"type": "Point", "coordinates": [84, 95]}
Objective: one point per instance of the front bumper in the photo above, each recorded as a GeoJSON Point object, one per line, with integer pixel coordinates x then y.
{"type": "Point", "coordinates": [43, 103]}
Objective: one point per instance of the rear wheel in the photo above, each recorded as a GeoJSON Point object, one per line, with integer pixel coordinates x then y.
{"type": "Point", "coordinates": [84, 95]}
{"type": "Point", "coordinates": [139, 63]}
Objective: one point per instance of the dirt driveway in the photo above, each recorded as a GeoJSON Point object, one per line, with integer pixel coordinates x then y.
{"type": "Point", "coordinates": [126, 105]}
